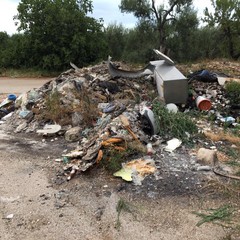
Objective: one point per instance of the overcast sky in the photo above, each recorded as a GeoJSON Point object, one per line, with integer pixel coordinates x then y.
{"type": "Point", "coordinates": [106, 9]}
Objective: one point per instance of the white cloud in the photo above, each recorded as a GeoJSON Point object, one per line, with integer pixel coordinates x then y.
{"type": "Point", "coordinates": [110, 12]}
{"type": "Point", "coordinates": [201, 5]}
{"type": "Point", "coordinates": [8, 9]}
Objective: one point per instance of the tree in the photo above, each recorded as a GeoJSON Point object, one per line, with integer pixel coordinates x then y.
{"type": "Point", "coordinates": [139, 43]}
{"type": "Point", "coordinates": [116, 40]}
{"type": "Point", "coordinates": [4, 40]}
{"type": "Point", "coordinates": [160, 16]}
{"type": "Point", "coordinates": [59, 31]}
{"type": "Point", "coordinates": [183, 35]}
{"type": "Point", "coordinates": [226, 17]}
{"type": "Point", "coordinates": [208, 44]}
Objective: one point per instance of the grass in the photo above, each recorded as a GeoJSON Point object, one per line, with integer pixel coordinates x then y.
{"type": "Point", "coordinates": [234, 154]}
{"type": "Point", "coordinates": [54, 110]}
{"type": "Point", "coordinates": [122, 205]}
{"type": "Point", "coordinates": [173, 125]}
{"type": "Point", "coordinates": [113, 158]}
{"type": "Point", "coordinates": [87, 107]}
{"type": "Point", "coordinates": [234, 163]}
{"type": "Point", "coordinates": [228, 189]}
{"type": "Point", "coordinates": [221, 214]}
{"type": "Point", "coordinates": [235, 131]}
{"type": "Point", "coordinates": [233, 92]}
{"type": "Point", "coordinates": [223, 136]}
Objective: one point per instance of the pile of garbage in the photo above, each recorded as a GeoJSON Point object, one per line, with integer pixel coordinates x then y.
{"type": "Point", "coordinates": [209, 91]}
{"type": "Point", "coordinates": [103, 113]}
{"type": "Point", "coordinates": [88, 107]}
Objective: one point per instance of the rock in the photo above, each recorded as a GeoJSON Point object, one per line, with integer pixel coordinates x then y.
{"type": "Point", "coordinates": [204, 168]}
{"type": "Point", "coordinates": [49, 129]}
{"type": "Point", "coordinates": [73, 134]}
{"type": "Point", "coordinates": [207, 157]}
{"type": "Point", "coordinates": [21, 127]}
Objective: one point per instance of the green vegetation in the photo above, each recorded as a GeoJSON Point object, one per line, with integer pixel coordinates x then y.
{"type": "Point", "coordinates": [223, 213]}
{"type": "Point", "coordinates": [173, 125]}
{"type": "Point", "coordinates": [226, 16]}
{"type": "Point", "coordinates": [122, 205]}
{"type": "Point", "coordinates": [233, 154]}
{"type": "Point", "coordinates": [54, 33]}
{"type": "Point", "coordinates": [113, 158]}
{"type": "Point", "coordinates": [54, 110]}
{"type": "Point", "coordinates": [233, 92]}
{"type": "Point", "coordinates": [87, 107]}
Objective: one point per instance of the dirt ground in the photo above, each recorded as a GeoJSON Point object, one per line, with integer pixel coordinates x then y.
{"type": "Point", "coordinates": [20, 85]}
{"type": "Point", "coordinates": [36, 201]}
{"type": "Point", "coordinates": [85, 207]}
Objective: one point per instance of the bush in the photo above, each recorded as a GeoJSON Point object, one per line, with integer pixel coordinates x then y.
{"type": "Point", "coordinates": [173, 125]}
{"type": "Point", "coordinates": [233, 92]}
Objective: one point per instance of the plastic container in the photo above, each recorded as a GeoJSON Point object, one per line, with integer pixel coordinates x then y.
{"type": "Point", "coordinates": [203, 103]}
{"type": "Point", "coordinates": [12, 97]}
{"type": "Point", "coordinates": [149, 149]}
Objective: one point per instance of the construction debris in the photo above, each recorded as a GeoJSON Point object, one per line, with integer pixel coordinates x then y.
{"type": "Point", "coordinates": [171, 84]}
{"type": "Point", "coordinates": [173, 144]}
{"type": "Point", "coordinates": [104, 112]}
{"type": "Point", "coordinates": [8, 105]}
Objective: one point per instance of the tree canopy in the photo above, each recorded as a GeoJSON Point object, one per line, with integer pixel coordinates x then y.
{"type": "Point", "coordinates": [226, 16]}
{"type": "Point", "coordinates": [160, 15]}
{"type": "Point", "coordinates": [59, 31]}
{"type": "Point", "coordinates": [56, 32]}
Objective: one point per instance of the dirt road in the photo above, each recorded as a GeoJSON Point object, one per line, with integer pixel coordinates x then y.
{"type": "Point", "coordinates": [19, 85]}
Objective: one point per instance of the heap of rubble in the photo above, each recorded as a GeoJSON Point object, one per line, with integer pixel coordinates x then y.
{"type": "Point", "coordinates": [98, 112]}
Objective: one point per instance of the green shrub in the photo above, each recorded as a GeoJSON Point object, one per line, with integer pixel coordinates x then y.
{"type": "Point", "coordinates": [233, 92]}
{"type": "Point", "coordinates": [173, 125]}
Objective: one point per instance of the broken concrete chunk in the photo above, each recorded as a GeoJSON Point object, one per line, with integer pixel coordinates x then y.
{"type": "Point", "coordinates": [49, 129]}
{"type": "Point", "coordinates": [73, 134]}
{"type": "Point", "coordinates": [21, 127]}
{"type": "Point", "coordinates": [207, 157]}
{"type": "Point", "coordinates": [173, 144]}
